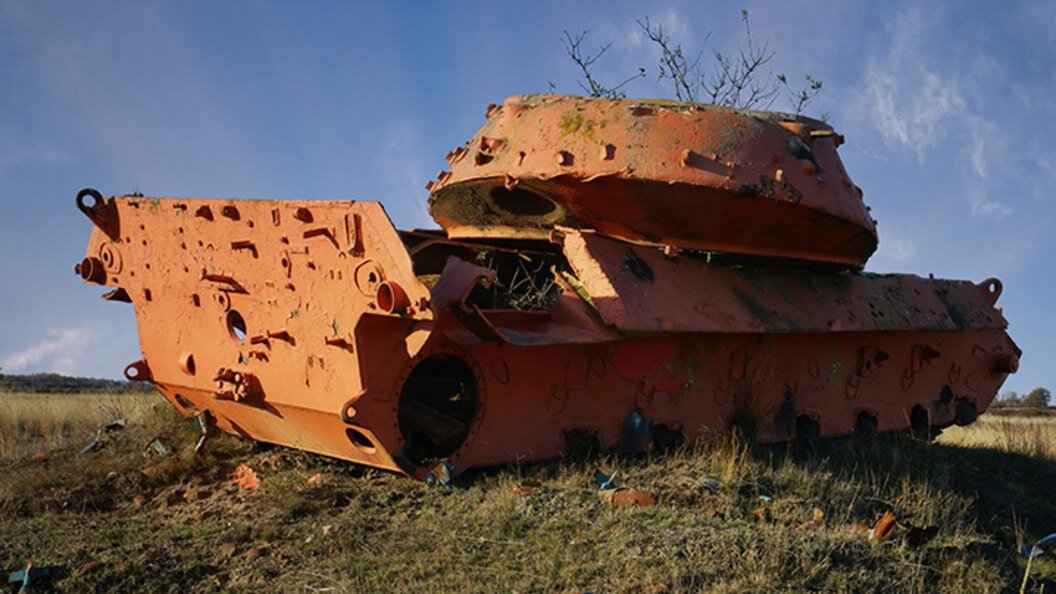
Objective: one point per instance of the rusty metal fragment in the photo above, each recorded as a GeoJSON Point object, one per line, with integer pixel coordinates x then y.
{"type": "Point", "coordinates": [245, 477]}
{"type": "Point", "coordinates": [611, 275]}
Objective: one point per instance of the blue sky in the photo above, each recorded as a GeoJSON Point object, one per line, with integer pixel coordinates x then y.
{"type": "Point", "coordinates": [948, 112]}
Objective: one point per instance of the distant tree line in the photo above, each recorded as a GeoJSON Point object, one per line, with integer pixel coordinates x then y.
{"type": "Point", "coordinates": [53, 383]}
{"type": "Point", "coordinates": [1036, 398]}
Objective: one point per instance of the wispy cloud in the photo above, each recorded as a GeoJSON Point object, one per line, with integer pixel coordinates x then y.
{"type": "Point", "coordinates": [982, 131]}
{"type": "Point", "coordinates": [985, 206]}
{"type": "Point", "coordinates": [912, 109]}
{"type": "Point", "coordinates": [911, 102]}
{"type": "Point", "coordinates": [60, 352]}
{"type": "Point", "coordinates": [896, 247]}
{"type": "Point", "coordinates": [14, 154]}
{"type": "Point", "coordinates": [915, 98]}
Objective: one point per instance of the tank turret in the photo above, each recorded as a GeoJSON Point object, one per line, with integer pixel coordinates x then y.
{"type": "Point", "coordinates": [652, 172]}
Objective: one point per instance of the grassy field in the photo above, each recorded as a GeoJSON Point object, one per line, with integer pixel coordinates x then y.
{"type": "Point", "coordinates": [729, 517]}
{"type": "Point", "coordinates": [35, 422]}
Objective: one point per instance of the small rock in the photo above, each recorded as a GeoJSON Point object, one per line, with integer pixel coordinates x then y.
{"type": "Point", "coordinates": [316, 480]}
{"type": "Point", "coordinates": [228, 549]}
{"type": "Point", "coordinates": [257, 551]}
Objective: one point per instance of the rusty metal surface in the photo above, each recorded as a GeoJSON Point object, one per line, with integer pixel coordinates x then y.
{"type": "Point", "coordinates": [637, 289]}
{"type": "Point", "coordinates": [251, 308]}
{"type": "Point", "coordinates": [318, 325]}
{"type": "Point", "coordinates": [668, 173]}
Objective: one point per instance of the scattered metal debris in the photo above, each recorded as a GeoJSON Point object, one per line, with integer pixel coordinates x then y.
{"type": "Point", "coordinates": [90, 566]}
{"type": "Point", "coordinates": [619, 496]}
{"type": "Point", "coordinates": [884, 526]}
{"type": "Point", "coordinates": [34, 575]}
{"type": "Point", "coordinates": [762, 513]}
{"type": "Point", "coordinates": [95, 444]}
{"type": "Point", "coordinates": [441, 475]}
{"type": "Point", "coordinates": [606, 481]}
{"type": "Point", "coordinates": [1045, 544]}
{"type": "Point", "coordinates": [913, 536]}
{"type": "Point", "coordinates": [710, 484]}
{"type": "Point", "coordinates": [523, 490]}
{"type": "Point", "coordinates": [102, 435]}
{"type": "Point", "coordinates": [205, 423]}
{"type": "Point", "coordinates": [245, 477]}
{"type": "Point", "coordinates": [158, 447]}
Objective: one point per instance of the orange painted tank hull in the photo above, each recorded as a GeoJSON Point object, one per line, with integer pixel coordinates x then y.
{"type": "Point", "coordinates": [318, 325]}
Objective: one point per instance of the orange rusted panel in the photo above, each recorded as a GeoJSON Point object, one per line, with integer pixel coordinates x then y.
{"type": "Point", "coordinates": [318, 325]}
{"type": "Point", "coordinates": [638, 289]}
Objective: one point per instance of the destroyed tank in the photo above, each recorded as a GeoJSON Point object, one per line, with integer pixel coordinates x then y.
{"type": "Point", "coordinates": [609, 274]}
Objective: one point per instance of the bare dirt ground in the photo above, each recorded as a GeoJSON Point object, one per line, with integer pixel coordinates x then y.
{"type": "Point", "coordinates": [729, 516]}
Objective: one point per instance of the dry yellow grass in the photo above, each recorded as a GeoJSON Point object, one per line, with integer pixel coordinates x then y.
{"type": "Point", "coordinates": [166, 520]}
{"type": "Point", "coordinates": [32, 422]}
{"type": "Point", "coordinates": [1021, 434]}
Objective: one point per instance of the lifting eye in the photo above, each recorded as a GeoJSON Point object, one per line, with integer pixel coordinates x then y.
{"type": "Point", "coordinates": [992, 288]}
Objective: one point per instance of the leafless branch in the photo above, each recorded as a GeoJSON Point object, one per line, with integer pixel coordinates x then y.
{"type": "Point", "coordinates": [594, 88]}
{"type": "Point", "coordinates": [673, 62]}
{"type": "Point", "coordinates": [800, 98]}
{"type": "Point", "coordinates": [737, 79]}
